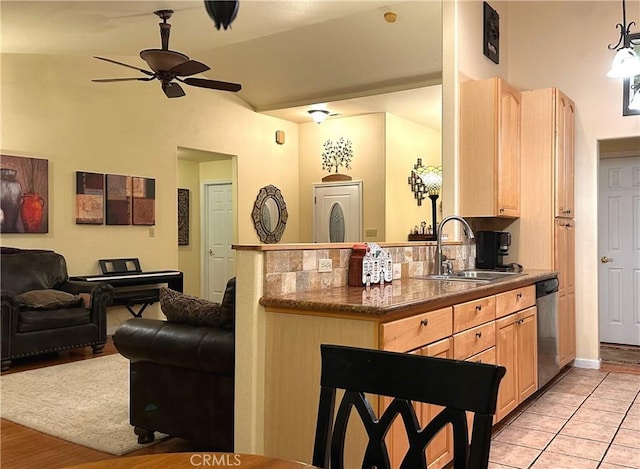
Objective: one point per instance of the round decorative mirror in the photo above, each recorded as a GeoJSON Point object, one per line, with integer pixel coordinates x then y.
{"type": "Point", "coordinates": [269, 214]}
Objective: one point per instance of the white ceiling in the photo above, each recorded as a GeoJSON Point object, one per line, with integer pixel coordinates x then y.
{"type": "Point", "coordinates": [289, 55]}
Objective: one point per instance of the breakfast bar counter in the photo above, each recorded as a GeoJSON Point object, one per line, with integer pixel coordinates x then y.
{"type": "Point", "coordinates": [395, 300]}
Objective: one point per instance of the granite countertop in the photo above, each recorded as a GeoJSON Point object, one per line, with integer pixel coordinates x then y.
{"type": "Point", "coordinates": [398, 299]}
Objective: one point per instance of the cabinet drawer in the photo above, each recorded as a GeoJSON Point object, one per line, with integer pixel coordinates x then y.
{"type": "Point", "coordinates": [407, 334]}
{"type": "Point", "coordinates": [488, 357]}
{"type": "Point", "coordinates": [473, 341]}
{"type": "Point", "coordinates": [515, 300]}
{"type": "Point", "coordinates": [473, 313]}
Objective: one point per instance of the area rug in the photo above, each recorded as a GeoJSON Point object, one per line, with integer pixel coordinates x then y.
{"type": "Point", "coordinates": [84, 402]}
{"type": "Point", "coordinates": [614, 353]}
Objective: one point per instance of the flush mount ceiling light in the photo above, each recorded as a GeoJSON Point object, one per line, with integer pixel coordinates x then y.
{"type": "Point", "coordinates": [318, 115]}
{"type": "Point", "coordinates": [626, 62]}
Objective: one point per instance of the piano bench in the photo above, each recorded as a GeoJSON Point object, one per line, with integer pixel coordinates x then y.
{"type": "Point", "coordinates": [136, 297]}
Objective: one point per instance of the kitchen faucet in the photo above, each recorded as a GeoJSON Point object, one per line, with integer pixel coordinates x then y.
{"type": "Point", "coordinates": [467, 230]}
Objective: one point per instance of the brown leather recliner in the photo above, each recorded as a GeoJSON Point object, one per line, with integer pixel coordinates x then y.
{"type": "Point", "coordinates": [182, 375]}
{"type": "Point", "coordinates": [43, 311]}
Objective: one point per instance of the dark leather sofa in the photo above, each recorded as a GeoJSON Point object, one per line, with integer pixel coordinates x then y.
{"type": "Point", "coordinates": [182, 377]}
{"type": "Point", "coordinates": [43, 311]}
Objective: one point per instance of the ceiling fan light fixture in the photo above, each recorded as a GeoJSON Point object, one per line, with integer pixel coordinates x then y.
{"type": "Point", "coordinates": [318, 115]}
{"type": "Point", "coordinates": [159, 59]}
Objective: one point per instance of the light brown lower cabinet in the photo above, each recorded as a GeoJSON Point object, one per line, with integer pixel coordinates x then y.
{"type": "Point", "coordinates": [440, 449]}
{"type": "Point", "coordinates": [516, 350]}
{"type": "Point", "coordinates": [566, 328]}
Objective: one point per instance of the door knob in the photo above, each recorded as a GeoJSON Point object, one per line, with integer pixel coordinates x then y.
{"type": "Point", "coordinates": [211, 252]}
{"type": "Point", "coordinates": [605, 259]}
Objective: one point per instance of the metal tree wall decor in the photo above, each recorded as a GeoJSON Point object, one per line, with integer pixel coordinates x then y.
{"type": "Point", "coordinates": [336, 154]}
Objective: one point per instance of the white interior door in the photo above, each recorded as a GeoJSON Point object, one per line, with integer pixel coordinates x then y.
{"type": "Point", "coordinates": [619, 250]}
{"type": "Point", "coordinates": [337, 216]}
{"type": "Point", "coordinates": [219, 257]}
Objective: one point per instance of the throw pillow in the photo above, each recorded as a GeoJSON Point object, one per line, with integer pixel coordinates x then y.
{"type": "Point", "coordinates": [187, 309]}
{"type": "Point", "coordinates": [48, 299]}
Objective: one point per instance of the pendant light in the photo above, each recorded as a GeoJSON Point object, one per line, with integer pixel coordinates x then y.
{"type": "Point", "coordinates": [626, 62]}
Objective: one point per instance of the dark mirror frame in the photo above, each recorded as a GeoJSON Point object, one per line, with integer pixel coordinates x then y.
{"type": "Point", "coordinates": [274, 235]}
{"type": "Point", "coordinates": [631, 84]}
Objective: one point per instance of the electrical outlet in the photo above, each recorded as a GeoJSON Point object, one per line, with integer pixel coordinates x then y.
{"type": "Point", "coordinates": [325, 265]}
{"type": "Point", "coordinates": [371, 232]}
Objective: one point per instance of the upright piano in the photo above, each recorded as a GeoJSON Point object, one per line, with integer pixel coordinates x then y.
{"type": "Point", "coordinates": [131, 285]}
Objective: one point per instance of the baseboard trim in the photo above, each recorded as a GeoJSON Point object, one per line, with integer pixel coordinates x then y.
{"type": "Point", "coordinates": [587, 363]}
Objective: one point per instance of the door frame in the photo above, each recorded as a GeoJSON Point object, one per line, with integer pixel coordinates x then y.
{"type": "Point", "coordinates": [338, 184]}
{"type": "Point", "coordinates": [204, 227]}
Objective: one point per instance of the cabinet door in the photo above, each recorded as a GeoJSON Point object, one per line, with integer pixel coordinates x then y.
{"type": "Point", "coordinates": [527, 353]}
{"type": "Point", "coordinates": [440, 450]}
{"type": "Point", "coordinates": [506, 346]}
{"type": "Point", "coordinates": [564, 254]}
{"type": "Point", "coordinates": [565, 136]}
{"type": "Point", "coordinates": [489, 149]}
{"type": "Point", "coordinates": [508, 171]}
{"type": "Point", "coordinates": [566, 328]}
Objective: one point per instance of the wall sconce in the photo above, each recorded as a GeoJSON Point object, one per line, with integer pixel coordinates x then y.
{"type": "Point", "coordinates": [426, 181]}
{"type": "Point", "coordinates": [318, 115]}
{"type": "Point", "coordinates": [626, 62]}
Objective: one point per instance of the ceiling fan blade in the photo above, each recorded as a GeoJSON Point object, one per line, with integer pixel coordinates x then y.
{"type": "Point", "coordinates": [146, 72]}
{"type": "Point", "coordinates": [107, 80]}
{"type": "Point", "coordinates": [213, 84]}
{"type": "Point", "coordinates": [172, 90]}
{"type": "Point", "coordinates": [190, 67]}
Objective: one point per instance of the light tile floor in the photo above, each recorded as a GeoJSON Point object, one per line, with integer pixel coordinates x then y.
{"type": "Point", "coordinates": [586, 419]}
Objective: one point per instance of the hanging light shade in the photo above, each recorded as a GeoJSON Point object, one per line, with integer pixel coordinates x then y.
{"type": "Point", "coordinates": [318, 115]}
{"type": "Point", "coordinates": [626, 62]}
{"type": "Point", "coordinates": [222, 12]}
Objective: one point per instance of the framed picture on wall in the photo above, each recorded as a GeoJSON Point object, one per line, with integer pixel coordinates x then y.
{"type": "Point", "coordinates": [631, 86]}
{"type": "Point", "coordinates": [89, 198]}
{"type": "Point", "coordinates": [24, 195]}
{"type": "Point", "coordinates": [144, 201]}
{"type": "Point", "coordinates": [118, 199]}
{"type": "Point", "coordinates": [183, 217]}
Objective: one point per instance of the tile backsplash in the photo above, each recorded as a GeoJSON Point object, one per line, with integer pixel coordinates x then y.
{"type": "Point", "coordinates": [290, 271]}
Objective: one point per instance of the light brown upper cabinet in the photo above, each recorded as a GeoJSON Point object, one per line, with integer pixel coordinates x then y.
{"type": "Point", "coordinates": [489, 149]}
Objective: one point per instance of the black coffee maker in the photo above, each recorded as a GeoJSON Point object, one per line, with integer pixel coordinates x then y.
{"type": "Point", "coordinates": [491, 247]}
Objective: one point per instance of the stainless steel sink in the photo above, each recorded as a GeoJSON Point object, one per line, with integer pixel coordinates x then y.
{"type": "Point", "coordinates": [479, 276]}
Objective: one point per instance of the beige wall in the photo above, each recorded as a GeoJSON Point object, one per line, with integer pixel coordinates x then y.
{"type": "Point", "coordinates": [367, 136]}
{"type": "Point", "coordinates": [405, 143]}
{"type": "Point", "coordinates": [52, 110]}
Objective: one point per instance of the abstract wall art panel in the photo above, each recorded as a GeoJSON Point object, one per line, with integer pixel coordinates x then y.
{"type": "Point", "coordinates": [89, 198]}
{"type": "Point", "coordinates": [183, 217]}
{"type": "Point", "coordinates": [24, 195]}
{"type": "Point", "coordinates": [144, 201]}
{"type": "Point", "coordinates": [118, 199]}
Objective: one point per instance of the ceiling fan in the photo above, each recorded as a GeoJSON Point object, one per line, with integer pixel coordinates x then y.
{"type": "Point", "coordinates": [168, 65]}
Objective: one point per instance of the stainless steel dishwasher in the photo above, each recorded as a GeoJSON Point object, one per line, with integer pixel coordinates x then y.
{"type": "Point", "coordinates": [547, 303]}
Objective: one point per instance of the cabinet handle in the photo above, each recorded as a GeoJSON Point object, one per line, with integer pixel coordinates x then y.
{"type": "Point", "coordinates": [424, 322]}
{"type": "Point", "coordinates": [502, 210]}
{"type": "Point", "coordinates": [478, 334]}
{"type": "Point", "coordinates": [479, 308]}
{"type": "Point", "coordinates": [519, 295]}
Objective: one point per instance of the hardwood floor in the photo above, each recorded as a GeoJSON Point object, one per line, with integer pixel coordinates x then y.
{"type": "Point", "coordinates": [21, 447]}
